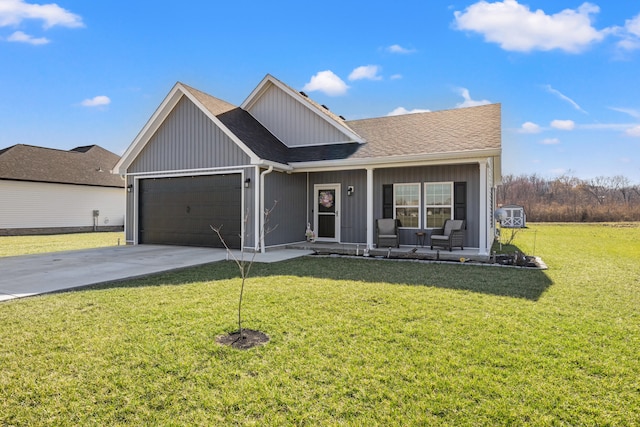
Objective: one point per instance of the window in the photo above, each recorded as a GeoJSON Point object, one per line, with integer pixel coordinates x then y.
{"type": "Point", "coordinates": [406, 204]}
{"type": "Point", "coordinates": [438, 203]}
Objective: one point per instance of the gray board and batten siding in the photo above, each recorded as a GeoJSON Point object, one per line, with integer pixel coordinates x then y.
{"type": "Point", "coordinates": [188, 139]}
{"type": "Point", "coordinates": [283, 116]}
{"type": "Point", "coordinates": [287, 220]}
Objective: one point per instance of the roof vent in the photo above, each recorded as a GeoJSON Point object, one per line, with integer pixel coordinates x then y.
{"type": "Point", "coordinates": [325, 107]}
{"type": "Point", "coordinates": [304, 94]}
{"type": "Point", "coordinates": [342, 117]}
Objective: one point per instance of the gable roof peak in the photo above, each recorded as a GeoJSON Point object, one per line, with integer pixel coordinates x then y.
{"type": "Point", "coordinates": [321, 111]}
{"type": "Point", "coordinates": [215, 105]}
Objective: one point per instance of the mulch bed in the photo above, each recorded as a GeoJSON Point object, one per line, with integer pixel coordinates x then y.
{"type": "Point", "coordinates": [249, 339]}
{"type": "Point", "coordinates": [517, 259]}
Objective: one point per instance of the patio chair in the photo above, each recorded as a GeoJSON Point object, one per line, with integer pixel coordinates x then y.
{"type": "Point", "coordinates": [387, 233]}
{"type": "Point", "coordinates": [450, 235]}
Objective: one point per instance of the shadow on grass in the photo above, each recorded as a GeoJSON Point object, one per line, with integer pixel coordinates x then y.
{"type": "Point", "coordinates": [501, 281]}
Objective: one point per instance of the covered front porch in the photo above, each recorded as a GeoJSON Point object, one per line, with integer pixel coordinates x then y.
{"type": "Point", "coordinates": [403, 252]}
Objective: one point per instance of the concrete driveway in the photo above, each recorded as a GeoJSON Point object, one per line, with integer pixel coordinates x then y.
{"type": "Point", "coordinates": [28, 275]}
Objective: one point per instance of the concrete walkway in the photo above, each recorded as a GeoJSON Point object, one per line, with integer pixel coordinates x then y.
{"type": "Point", "coordinates": [28, 275]}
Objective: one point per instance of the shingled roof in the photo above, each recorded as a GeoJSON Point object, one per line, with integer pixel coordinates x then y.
{"type": "Point", "coordinates": [88, 165]}
{"type": "Point", "coordinates": [439, 132]}
{"type": "Point", "coordinates": [436, 134]}
{"type": "Point", "coordinates": [448, 135]}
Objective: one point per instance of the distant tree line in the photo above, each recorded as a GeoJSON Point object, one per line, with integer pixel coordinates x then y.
{"type": "Point", "coordinates": [570, 199]}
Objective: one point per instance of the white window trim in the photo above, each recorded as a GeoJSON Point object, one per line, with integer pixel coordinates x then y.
{"type": "Point", "coordinates": [426, 207]}
{"type": "Point", "coordinates": [419, 205]}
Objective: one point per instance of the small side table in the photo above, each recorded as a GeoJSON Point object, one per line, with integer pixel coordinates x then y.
{"type": "Point", "coordinates": [420, 235]}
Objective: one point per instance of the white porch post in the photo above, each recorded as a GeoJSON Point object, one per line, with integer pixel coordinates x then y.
{"type": "Point", "coordinates": [370, 229]}
{"type": "Point", "coordinates": [257, 188]}
{"type": "Point", "coordinates": [483, 209]}
{"type": "Point", "coordinates": [262, 211]}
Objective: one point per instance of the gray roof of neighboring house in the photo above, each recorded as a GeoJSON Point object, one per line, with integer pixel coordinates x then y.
{"type": "Point", "coordinates": [431, 133]}
{"type": "Point", "coordinates": [88, 165]}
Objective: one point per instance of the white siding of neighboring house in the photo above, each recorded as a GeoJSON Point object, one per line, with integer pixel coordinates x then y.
{"type": "Point", "coordinates": [44, 205]}
{"type": "Point", "coordinates": [292, 122]}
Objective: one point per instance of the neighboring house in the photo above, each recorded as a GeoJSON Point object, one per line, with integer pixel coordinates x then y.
{"type": "Point", "coordinates": [48, 191]}
{"type": "Point", "coordinates": [514, 217]}
{"type": "Point", "coordinates": [200, 161]}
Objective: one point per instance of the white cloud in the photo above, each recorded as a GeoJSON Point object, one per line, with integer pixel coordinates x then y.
{"type": "Point", "coordinates": [21, 37]}
{"type": "Point", "coordinates": [629, 111]}
{"type": "Point", "coordinates": [563, 124]}
{"type": "Point", "coordinates": [396, 77]}
{"type": "Point", "coordinates": [96, 101]}
{"type": "Point", "coordinates": [629, 43]}
{"type": "Point", "coordinates": [401, 110]}
{"type": "Point", "coordinates": [365, 72]}
{"type": "Point", "coordinates": [468, 102]}
{"type": "Point", "coordinates": [328, 83]}
{"type": "Point", "coordinates": [634, 131]}
{"type": "Point", "coordinates": [630, 34]}
{"type": "Point", "coordinates": [550, 141]}
{"type": "Point", "coordinates": [633, 25]}
{"type": "Point", "coordinates": [396, 48]}
{"type": "Point", "coordinates": [515, 27]}
{"type": "Point", "coordinates": [13, 12]}
{"type": "Point", "coordinates": [530, 127]}
{"type": "Point", "coordinates": [564, 98]}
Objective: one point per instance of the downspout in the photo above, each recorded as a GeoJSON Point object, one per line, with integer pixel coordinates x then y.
{"type": "Point", "coordinates": [484, 221]}
{"type": "Point", "coordinates": [370, 229]}
{"type": "Point", "coordinates": [309, 219]}
{"type": "Point", "coordinates": [262, 175]}
{"type": "Point", "coordinates": [256, 208]}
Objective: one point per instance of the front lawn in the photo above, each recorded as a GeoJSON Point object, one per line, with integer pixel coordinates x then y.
{"type": "Point", "coordinates": [25, 245]}
{"type": "Point", "coordinates": [353, 342]}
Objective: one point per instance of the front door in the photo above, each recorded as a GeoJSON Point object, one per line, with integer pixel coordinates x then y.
{"type": "Point", "coordinates": [326, 217]}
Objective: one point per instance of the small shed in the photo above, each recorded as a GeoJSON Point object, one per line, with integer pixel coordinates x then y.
{"type": "Point", "coordinates": [514, 217]}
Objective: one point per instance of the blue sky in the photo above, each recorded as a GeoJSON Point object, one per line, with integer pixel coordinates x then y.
{"type": "Point", "coordinates": [79, 72]}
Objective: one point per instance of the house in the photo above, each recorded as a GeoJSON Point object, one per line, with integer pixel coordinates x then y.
{"type": "Point", "coordinates": [200, 161]}
{"type": "Point", "coordinates": [48, 191]}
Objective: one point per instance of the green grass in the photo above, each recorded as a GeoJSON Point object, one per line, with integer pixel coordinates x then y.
{"type": "Point", "coordinates": [25, 245]}
{"type": "Point", "coordinates": [353, 342]}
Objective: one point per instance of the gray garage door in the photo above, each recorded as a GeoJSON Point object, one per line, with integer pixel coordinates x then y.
{"type": "Point", "coordinates": [180, 211]}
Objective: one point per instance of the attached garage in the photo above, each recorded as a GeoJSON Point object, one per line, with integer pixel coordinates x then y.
{"type": "Point", "coordinates": [181, 210]}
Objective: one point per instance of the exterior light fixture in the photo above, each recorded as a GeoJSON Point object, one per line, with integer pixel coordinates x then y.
{"type": "Point", "coordinates": [350, 190]}
{"type": "Point", "coordinates": [247, 182]}
{"type": "Point", "coordinates": [129, 188]}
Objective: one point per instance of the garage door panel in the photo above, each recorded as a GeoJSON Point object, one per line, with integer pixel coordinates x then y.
{"type": "Point", "coordinates": [180, 210]}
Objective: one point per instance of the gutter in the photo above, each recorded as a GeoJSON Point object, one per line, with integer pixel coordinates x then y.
{"type": "Point", "coordinates": [278, 166]}
{"type": "Point", "coordinates": [397, 161]}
